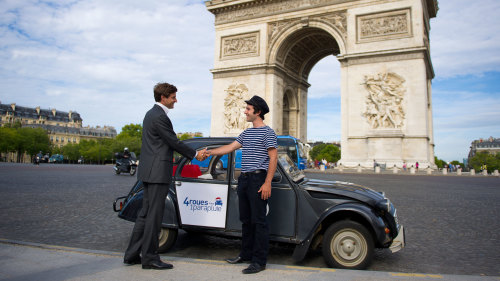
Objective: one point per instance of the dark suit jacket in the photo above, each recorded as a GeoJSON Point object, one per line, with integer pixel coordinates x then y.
{"type": "Point", "coordinates": [158, 144]}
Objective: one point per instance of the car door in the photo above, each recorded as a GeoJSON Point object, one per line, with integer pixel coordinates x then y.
{"type": "Point", "coordinates": [202, 193]}
{"type": "Point", "coordinates": [281, 206]}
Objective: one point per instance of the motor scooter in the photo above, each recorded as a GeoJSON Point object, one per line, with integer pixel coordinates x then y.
{"type": "Point", "coordinates": [125, 163]}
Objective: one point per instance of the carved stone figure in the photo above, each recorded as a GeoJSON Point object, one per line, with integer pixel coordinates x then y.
{"type": "Point", "coordinates": [234, 107]}
{"type": "Point", "coordinates": [384, 105]}
{"type": "Point", "coordinates": [240, 45]}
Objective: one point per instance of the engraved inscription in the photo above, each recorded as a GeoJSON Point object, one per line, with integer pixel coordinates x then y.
{"type": "Point", "coordinates": [241, 45]}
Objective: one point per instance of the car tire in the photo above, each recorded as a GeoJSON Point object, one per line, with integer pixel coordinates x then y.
{"type": "Point", "coordinates": [166, 239]}
{"type": "Point", "coordinates": [348, 244]}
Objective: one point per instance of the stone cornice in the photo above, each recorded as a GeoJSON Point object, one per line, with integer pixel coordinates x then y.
{"type": "Point", "coordinates": [432, 8]}
{"type": "Point", "coordinates": [389, 55]}
{"type": "Point", "coordinates": [237, 10]}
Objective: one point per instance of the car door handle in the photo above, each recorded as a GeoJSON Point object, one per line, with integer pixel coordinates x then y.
{"type": "Point", "coordinates": [178, 183]}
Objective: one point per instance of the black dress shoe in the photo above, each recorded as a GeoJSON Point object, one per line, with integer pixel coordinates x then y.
{"type": "Point", "coordinates": [253, 268]}
{"type": "Point", "coordinates": [157, 265]}
{"type": "Point", "coordinates": [136, 260]}
{"type": "Point", "coordinates": [237, 259]}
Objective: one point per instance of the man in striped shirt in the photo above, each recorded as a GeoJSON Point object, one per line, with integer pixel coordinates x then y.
{"type": "Point", "coordinates": [258, 165]}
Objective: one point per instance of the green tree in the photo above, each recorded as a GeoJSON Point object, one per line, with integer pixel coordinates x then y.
{"type": "Point", "coordinates": [71, 151]}
{"type": "Point", "coordinates": [455, 162]}
{"type": "Point", "coordinates": [132, 130]}
{"type": "Point", "coordinates": [86, 148]}
{"type": "Point", "coordinates": [329, 152]}
{"type": "Point", "coordinates": [130, 137]}
{"type": "Point", "coordinates": [439, 162]}
{"type": "Point", "coordinates": [492, 161]}
{"type": "Point", "coordinates": [34, 140]}
{"type": "Point", "coordinates": [185, 136]}
{"type": "Point", "coordinates": [8, 139]}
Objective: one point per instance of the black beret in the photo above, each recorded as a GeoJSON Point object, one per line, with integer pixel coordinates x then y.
{"type": "Point", "coordinates": [259, 103]}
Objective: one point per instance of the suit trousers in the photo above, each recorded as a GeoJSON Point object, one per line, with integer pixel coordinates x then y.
{"type": "Point", "coordinates": [144, 238]}
{"type": "Point", "coordinates": [255, 227]}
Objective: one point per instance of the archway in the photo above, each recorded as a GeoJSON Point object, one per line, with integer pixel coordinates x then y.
{"type": "Point", "coordinates": [296, 54]}
{"type": "Point", "coordinates": [268, 48]}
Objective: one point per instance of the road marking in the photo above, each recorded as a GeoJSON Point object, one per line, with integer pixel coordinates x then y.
{"type": "Point", "coordinates": [437, 276]}
{"type": "Point", "coordinates": [214, 261]}
{"type": "Point", "coordinates": [310, 268]}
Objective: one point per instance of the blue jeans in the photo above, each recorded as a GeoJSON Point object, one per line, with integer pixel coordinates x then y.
{"type": "Point", "coordinates": [255, 228]}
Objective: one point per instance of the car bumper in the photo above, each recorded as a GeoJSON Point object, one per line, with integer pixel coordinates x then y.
{"type": "Point", "coordinates": [399, 242]}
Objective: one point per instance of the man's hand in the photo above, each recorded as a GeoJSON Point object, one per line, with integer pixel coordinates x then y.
{"type": "Point", "coordinates": [202, 155]}
{"type": "Point", "coordinates": [265, 191]}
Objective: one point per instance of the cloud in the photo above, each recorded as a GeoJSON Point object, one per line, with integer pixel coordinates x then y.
{"type": "Point", "coordinates": [104, 57]}
{"type": "Point", "coordinates": [463, 38]}
{"type": "Point", "coordinates": [325, 79]}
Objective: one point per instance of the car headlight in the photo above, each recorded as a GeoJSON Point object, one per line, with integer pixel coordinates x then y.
{"type": "Point", "coordinates": [384, 204]}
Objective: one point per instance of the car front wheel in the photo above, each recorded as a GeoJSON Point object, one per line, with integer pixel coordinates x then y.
{"type": "Point", "coordinates": [166, 239]}
{"type": "Point", "coordinates": [348, 244]}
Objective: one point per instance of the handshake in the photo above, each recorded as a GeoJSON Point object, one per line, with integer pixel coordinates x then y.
{"type": "Point", "coordinates": [203, 154]}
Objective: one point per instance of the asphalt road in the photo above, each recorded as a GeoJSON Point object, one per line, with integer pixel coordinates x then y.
{"type": "Point", "coordinates": [451, 222]}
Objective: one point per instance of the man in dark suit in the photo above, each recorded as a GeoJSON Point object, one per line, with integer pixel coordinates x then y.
{"type": "Point", "coordinates": [159, 142]}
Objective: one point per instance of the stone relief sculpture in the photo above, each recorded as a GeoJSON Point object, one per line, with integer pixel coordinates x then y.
{"type": "Point", "coordinates": [384, 106]}
{"type": "Point", "coordinates": [240, 45]}
{"type": "Point", "coordinates": [234, 107]}
{"type": "Point", "coordinates": [394, 24]}
{"type": "Point", "coordinates": [336, 19]}
{"type": "Point", "coordinates": [262, 8]}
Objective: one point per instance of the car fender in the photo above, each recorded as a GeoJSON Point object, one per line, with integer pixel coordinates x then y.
{"type": "Point", "coordinates": [170, 213]}
{"type": "Point", "coordinates": [375, 221]}
{"type": "Point", "coordinates": [134, 205]}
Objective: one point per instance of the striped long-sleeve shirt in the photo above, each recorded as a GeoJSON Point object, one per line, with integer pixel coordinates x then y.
{"type": "Point", "coordinates": [255, 143]}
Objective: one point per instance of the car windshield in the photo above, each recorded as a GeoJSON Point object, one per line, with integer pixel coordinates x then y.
{"type": "Point", "coordinates": [290, 167]}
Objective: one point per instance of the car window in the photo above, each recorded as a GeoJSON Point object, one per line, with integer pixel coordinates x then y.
{"type": "Point", "coordinates": [214, 168]}
{"type": "Point", "coordinates": [290, 167]}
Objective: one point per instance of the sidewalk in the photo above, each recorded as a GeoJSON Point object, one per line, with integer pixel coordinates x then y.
{"type": "Point", "coordinates": [31, 261]}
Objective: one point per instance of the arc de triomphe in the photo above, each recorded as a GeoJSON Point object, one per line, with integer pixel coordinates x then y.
{"type": "Point", "coordinates": [268, 48]}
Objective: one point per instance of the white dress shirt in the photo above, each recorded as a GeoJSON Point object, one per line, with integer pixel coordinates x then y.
{"type": "Point", "coordinates": [166, 113]}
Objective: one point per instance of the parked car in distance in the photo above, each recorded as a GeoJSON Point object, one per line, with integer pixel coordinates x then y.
{"type": "Point", "coordinates": [56, 158]}
{"type": "Point", "coordinates": [347, 221]}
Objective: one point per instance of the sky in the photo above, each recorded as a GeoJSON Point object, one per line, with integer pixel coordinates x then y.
{"type": "Point", "coordinates": [102, 59]}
